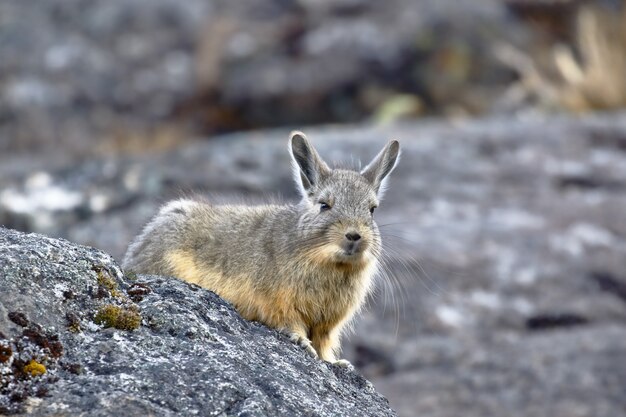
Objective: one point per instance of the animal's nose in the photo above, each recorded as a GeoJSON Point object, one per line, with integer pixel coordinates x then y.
{"type": "Point", "coordinates": [353, 236]}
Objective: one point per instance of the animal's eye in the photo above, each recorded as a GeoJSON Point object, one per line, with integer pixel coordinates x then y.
{"type": "Point", "coordinates": [372, 210]}
{"type": "Point", "coordinates": [324, 206]}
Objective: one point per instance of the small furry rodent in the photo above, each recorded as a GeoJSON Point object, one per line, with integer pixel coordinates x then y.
{"type": "Point", "coordinates": [304, 269]}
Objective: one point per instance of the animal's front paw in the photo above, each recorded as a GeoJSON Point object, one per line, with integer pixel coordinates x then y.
{"type": "Point", "coordinates": [302, 342]}
{"type": "Point", "coordinates": [305, 343]}
{"type": "Point", "coordinates": [342, 363]}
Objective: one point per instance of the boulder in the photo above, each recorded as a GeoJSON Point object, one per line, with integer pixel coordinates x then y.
{"type": "Point", "coordinates": [77, 335]}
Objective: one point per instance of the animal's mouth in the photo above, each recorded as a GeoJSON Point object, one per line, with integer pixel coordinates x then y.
{"type": "Point", "coordinates": [352, 248]}
{"type": "Point", "coordinates": [351, 261]}
{"type": "Point", "coordinates": [351, 252]}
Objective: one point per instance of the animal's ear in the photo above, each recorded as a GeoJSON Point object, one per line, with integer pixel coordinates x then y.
{"type": "Point", "coordinates": [377, 170]}
{"type": "Point", "coordinates": [309, 168]}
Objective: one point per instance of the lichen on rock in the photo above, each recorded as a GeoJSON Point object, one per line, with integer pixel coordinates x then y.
{"type": "Point", "coordinates": [34, 368]}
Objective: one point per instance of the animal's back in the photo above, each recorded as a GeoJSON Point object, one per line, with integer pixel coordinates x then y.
{"type": "Point", "coordinates": [225, 238]}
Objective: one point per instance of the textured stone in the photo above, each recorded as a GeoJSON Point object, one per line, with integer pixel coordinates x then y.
{"type": "Point", "coordinates": [192, 355]}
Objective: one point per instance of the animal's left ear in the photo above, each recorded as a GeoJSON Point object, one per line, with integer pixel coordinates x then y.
{"type": "Point", "coordinates": [309, 168]}
{"type": "Point", "coordinates": [382, 165]}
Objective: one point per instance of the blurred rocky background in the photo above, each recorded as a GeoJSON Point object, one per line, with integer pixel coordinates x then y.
{"type": "Point", "coordinates": [93, 76]}
{"type": "Point", "coordinates": [505, 289]}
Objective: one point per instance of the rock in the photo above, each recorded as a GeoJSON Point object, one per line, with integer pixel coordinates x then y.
{"type": "Point", "coordinates": [180, 350]}
{"type": "Point", "coordinates": [133, 74]}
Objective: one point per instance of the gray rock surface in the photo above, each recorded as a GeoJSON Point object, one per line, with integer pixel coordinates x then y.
{"type": "Point", "coordinates": [108, 71]}
{"type": "Point", "coordinates": [506, 240]}
{"type": "Point", "coordinates": [191, 354]}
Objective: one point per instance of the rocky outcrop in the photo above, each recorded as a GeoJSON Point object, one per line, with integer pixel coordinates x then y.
{"type": "Point", "coordinates": [79, 336]}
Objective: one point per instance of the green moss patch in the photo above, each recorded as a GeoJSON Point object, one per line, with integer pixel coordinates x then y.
{"type": "Point", "coordinates": [106, 281]}
{"type": "Point", "coordinates": [123, 318]}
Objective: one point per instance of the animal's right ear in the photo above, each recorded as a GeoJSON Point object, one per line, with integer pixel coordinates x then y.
{"type": "Point", "coordinates": [309, 168]}
{"type": "Point", "coordinates": [377, 170]}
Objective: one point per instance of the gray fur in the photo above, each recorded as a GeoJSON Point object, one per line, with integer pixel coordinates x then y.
{"type": "Point", "coordinates": [308, 250]}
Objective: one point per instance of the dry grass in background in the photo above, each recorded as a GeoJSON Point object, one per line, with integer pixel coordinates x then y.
{"type": "Point", "coordinates": [587, 76]}
{"type": "Point", "coordinates": [161, 137]}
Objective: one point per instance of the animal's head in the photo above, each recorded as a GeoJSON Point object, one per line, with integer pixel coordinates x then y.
{"type": "Point", "coordinates": [337, 208]}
